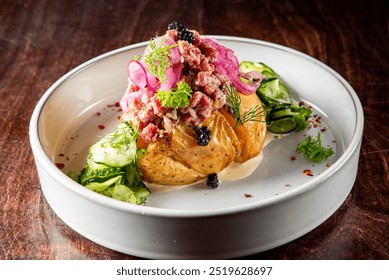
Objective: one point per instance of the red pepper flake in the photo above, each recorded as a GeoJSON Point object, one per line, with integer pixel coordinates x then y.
{"type": "Point", "coordinates": [98, 114]}
{"type": "Point", "coordinates": [308, 172]}
{"type": "Point", "coordinates": [323, 129]}
{"type": "Point", "coordinates": [61, 155]}
{"type": "Point", "coordinates": [101, 126]}
{"type": "Point", "coordinates": [60, 165]}
{"type": "Point", "coordinates": [117, 104]}
{"type": "Point", "coordinates": [247, 195]}
{"type": "Point", "coordinates": [293, 158]}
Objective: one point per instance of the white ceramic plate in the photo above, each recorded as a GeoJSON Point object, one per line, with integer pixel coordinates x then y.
{"type": "Point", "coordinates": [274, 205]}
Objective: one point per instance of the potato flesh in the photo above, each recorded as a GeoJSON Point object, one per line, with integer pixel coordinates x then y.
{"type": "Point", "coordinates": [177, 159]}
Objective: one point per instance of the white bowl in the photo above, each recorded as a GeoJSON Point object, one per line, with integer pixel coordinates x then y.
{"type": "Point", "coordinates": [275, 205]}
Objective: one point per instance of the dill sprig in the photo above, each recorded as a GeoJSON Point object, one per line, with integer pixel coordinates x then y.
{"type": "Point", "coordinates": [158, 57]}
{"type": "Point", "coordinates": [254, 114]}
{"type": "Point", "coordinates": [123, 137]}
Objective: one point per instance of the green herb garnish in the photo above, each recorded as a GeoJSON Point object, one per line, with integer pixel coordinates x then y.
{"type": "Point", "coordinates": [283, 115]}
{"type": "Point", "coordinates": [233, 99]}
{"type": "Point", "coordinates": [175, 98]}
{"type": "Point", "coordinates": [300, 115]}
{"type": "Point", "coordinates": [313, 149]}
{"type": "Point", "coordinates": [158, 58]}
{"type": "Point", "coordinates": [111, 168]}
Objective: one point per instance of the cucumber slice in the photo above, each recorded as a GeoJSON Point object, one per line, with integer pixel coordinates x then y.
{"type": "Point", "coordinates": [282, 125]}
{"type": "Point", "coordinates": [248, 66]}
{"type": "Point", "coordinates": [274, 91]}
{"type": "Point", "coordinates": [280, 113]}
{"type": "Point", "coordinates": [283, 115]}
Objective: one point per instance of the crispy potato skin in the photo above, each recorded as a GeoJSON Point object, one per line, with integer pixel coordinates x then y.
{"type": "Point", "coordinates": [251, 134]}
{"type": "Point", "coordinates": [177, 159]}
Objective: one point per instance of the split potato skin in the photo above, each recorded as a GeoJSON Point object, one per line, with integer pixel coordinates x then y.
{"type": "Point", "coordinates": [177, 159]}
{"type": "Point", "coordinates": [251, 134]}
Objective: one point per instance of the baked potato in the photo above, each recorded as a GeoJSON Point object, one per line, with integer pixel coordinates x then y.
{"type": "Point", "coordinates": [177, 159]}
{"type": "Point", "coordinates": [252, 134]}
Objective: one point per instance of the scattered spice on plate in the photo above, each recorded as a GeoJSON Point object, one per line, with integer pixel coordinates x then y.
{"type": "Point", "coordinates": [101, 126]}
{"type": "Point", "coordinates": [308, 172]}
{"type": "Point", "coordinates": [247, 195]}
{"type": "Point", "coordinates": [60, 165]}
{"type": "Point", "coordinates": [293, 158]}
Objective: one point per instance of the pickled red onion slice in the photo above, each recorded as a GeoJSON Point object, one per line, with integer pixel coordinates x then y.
{"type": "Point", "coordinates": [227, 63]}
{"type": "Point", "coordinates": [132, 95]}
{"type": "Point", "coordinates": [138, 74]}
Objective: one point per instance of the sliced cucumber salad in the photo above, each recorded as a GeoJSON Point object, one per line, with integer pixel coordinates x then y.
{"type": "Point", "coordinates": [111, 167]}
{"type": "Point", "coordinates": [283, 115]}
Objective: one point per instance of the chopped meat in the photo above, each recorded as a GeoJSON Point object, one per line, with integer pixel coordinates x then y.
{"type": "Point", "coordinates": [198, 71]}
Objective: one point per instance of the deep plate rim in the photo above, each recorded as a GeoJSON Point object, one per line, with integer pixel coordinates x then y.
{"type": "Point", "coordinates": [44, 159]}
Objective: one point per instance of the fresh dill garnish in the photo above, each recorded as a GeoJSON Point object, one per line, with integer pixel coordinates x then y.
{"type": "Point", "coordinates": [313, 149]}
{"type": "Point", "coordinates": [176, 97]}
{"type": "Point", "coordinates": [158, 57]}
{"type": "Point", "coordinates": [137, 57]}
{"type": "Point", "coordinates": [117, 148]}
{"type": "Point", "coordinates": [122, 137]}
{"type": "Point", "coordinates": [254, 114]}
{"type": "Point", "coordinates": [111, 168]}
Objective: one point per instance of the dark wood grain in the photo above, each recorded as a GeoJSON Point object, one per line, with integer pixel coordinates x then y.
{"type": "Point", "coordinates": [42, 40]}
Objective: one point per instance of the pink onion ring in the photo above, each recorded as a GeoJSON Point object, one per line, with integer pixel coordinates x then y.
{"type": "Point", "coordinates": [227, 64]}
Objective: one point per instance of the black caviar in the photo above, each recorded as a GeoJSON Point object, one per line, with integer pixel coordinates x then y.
{"type": "Point", "coordinates": [203, 135]}
{"type": "Point", "coordinates": [186, 35]}
{"type": "Point", "coordinates": [175, 26]}
{"type": "Point", "coordinates": [213, 181]}
{"type": "Point", "coordinates": [183, 33]}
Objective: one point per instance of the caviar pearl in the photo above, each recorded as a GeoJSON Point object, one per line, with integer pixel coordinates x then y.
{"type": "Point", "coordinates": [203, 135]}
{"type": "Point", "coordinates": [213, 181]}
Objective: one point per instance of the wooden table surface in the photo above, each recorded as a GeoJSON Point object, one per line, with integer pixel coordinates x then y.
{"type": "Point", "coordinates": [42, 40]}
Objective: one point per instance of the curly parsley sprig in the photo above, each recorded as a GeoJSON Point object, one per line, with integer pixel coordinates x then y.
{"type": "Point", "coordinates": [176, 97]}
{"type": "Point", "coordinates": [313, 149]}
